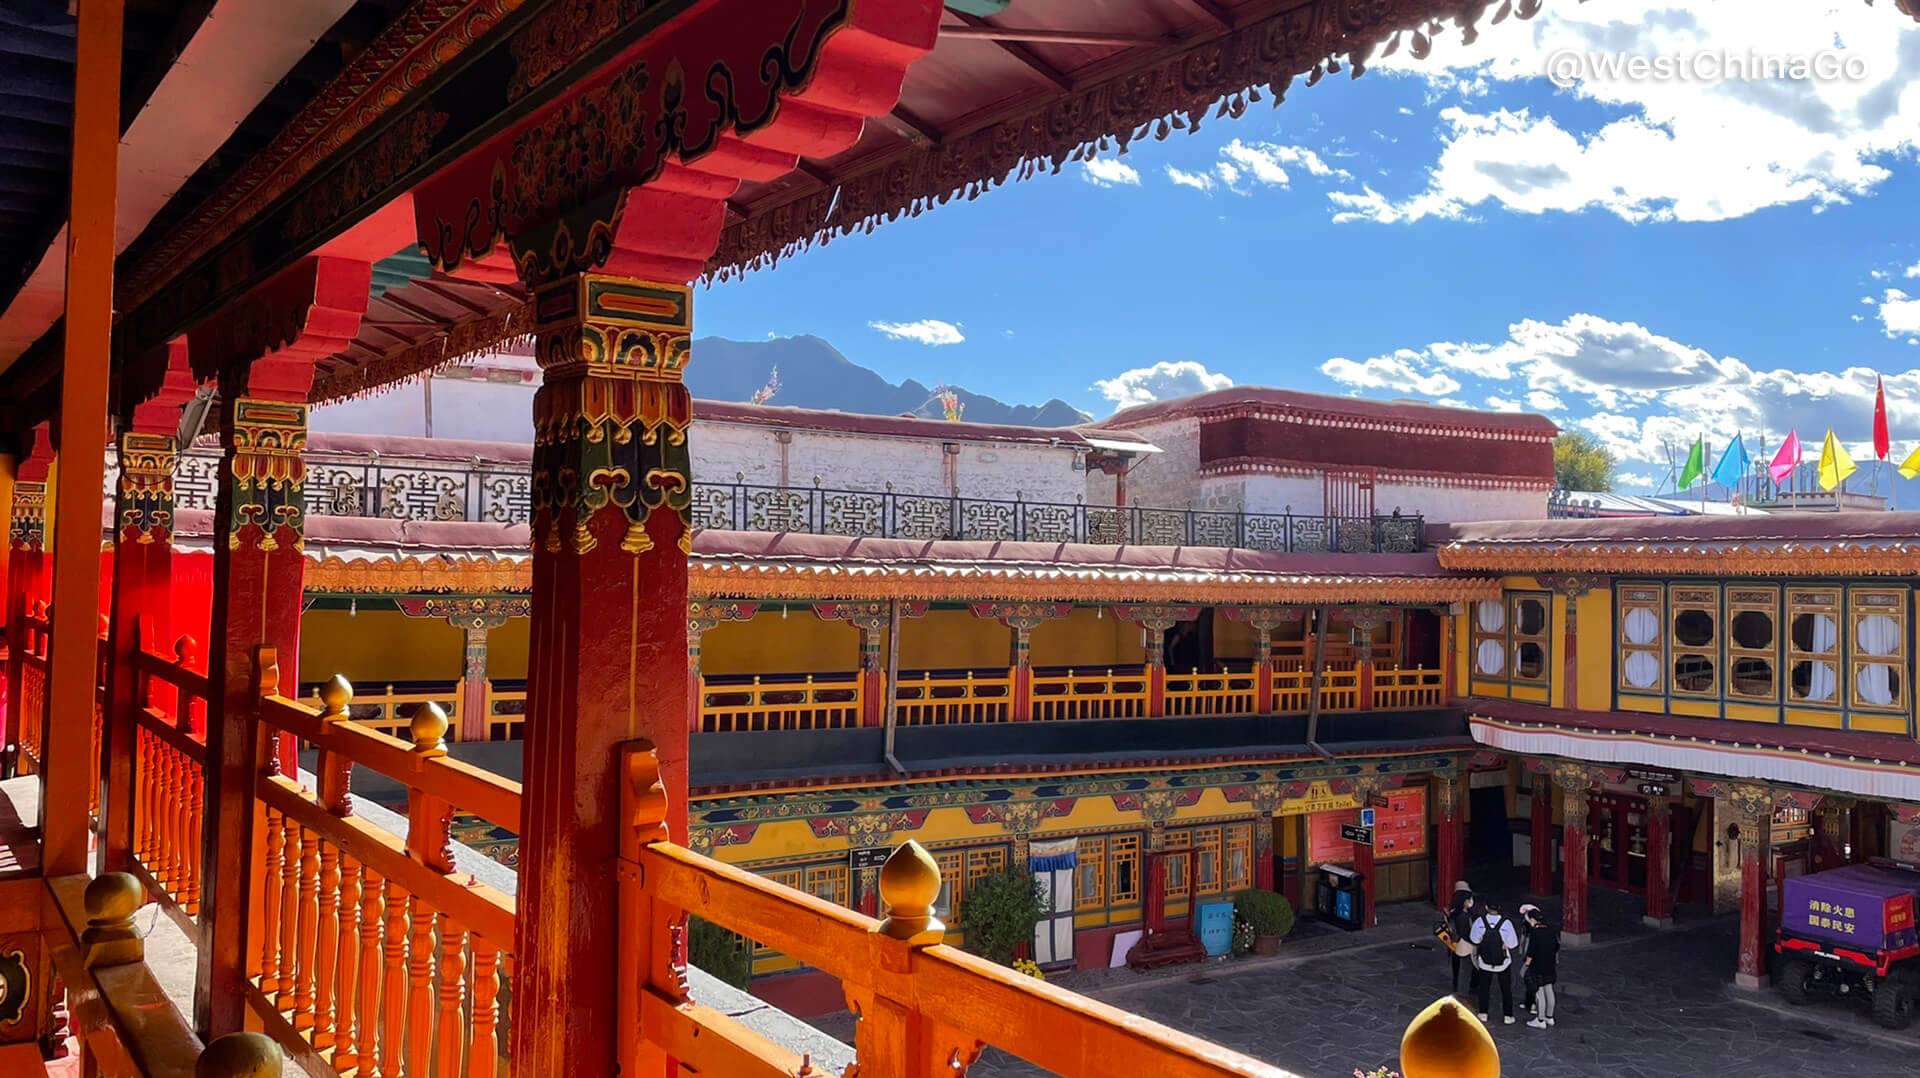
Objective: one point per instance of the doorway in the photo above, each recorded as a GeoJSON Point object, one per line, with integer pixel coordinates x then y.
{"type": "Point", "coordinates": [1421, 649]}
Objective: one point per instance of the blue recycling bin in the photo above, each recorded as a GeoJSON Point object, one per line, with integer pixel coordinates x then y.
{"type": "Point", "coordinates": [1216, 927]}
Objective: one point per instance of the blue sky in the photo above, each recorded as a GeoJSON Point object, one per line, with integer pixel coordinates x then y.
{"type": "Point", "coordinates": [1641, 258]}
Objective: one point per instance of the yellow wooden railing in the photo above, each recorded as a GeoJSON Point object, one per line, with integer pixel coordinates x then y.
{"type": "Point", "coordinates": [926, 698]}
{"type": "Point", "coordinates": [1077, 695]}
{"type": "Point", "coordinates": [32, 640]}
{"type": "Point", "coordinates": [1210, 694]}
{"type": "Point", "coordinates": [1340, 689]}
{"type": "Point", "coordinates": [1397, 689]}
{"type": "Point", "coordinates": [388, 710]}
{"type": "Point", "coordinates": [831, 702]}
{"type": "Point", "coordinates": [506, 714]}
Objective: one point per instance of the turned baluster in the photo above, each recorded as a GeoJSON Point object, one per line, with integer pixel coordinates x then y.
{"type": "Point", "coordinates": [334, 770]}
{"type": "Point", "coordinates": [326, 942]}
{"type": "Point", "coordinates": [393, 1008]}
{"type": "Point", "coordinates": [484, 1054]}
{"type": "Point", "coordinates": [167, 860]}
{"type": "Point", "coordinates": [419, 988]}
{"type": "Point", "coordinates": [308, 930]}
{"type": "Point", "coordinates": [289, 911]}
{"type": "Point", "coordinates": [270, 982]}
{"type": "Point", "coordinates": [196, 798]}
{"type": "Point", "coordinates": [367, 1009]}
{"type": "Point", "coordinates": [449, 1037]}
{"type": "Point", "coordinates": [184, 651]}
{"type": "Point", "coordinates": [346, 966]}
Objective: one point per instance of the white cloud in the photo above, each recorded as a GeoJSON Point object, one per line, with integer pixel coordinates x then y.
{"type": "Point", "coordinates": [1389, 372]}
{"type": "Point", "coordinates": [1640, 393]}
{"type": "Point", "coordinates": [1109, 172]}
{"type": "Point", "coordinates": [1266, 163]}
{"type": "Point", "coordinates": [927, 331]}
{"type": "Point", "coordinates": [1913, 270]}
{"type": "Point", "coordinates": [1689, 149]}
{"type": "Point", "coordinates": [1899, 313]}
{"type": "Point", "coordinates": [1199, 181]}
{"type": "Point", "coordinates": [1162, 381]}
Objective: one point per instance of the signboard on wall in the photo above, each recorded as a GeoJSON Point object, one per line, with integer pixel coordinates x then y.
{"type": "Point", "coordinates": [874, 858]}
{"type": "Point", "coordinates": [1354, 833]}
{"type": "Point", "coordinates": [1319, 798]}
{"type": "Point", "coordinates": [1903, 841]}
{"type": "Point", "coordinates": [1400, 826]}
{"type": "Point", "coordinates": [1324, 842]}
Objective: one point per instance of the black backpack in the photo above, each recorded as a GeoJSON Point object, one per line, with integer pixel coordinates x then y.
{"type": "Point", "coordinates": [1492, 950]}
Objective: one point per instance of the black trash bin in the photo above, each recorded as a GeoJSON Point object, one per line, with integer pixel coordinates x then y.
{"type": "Point", "coordinates": [1338, 897]}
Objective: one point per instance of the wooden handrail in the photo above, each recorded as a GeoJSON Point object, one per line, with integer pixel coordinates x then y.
{"type": "Point", "coordinates": [1195, 693]}
{"type": "Point", "coordinates": [925, 1003]}
{"type": "Point", "coordinates": [1077, 695]}
{"type": "Point", "coordinates": [820, 703]}
{"type": "Point", "coordinates": [925, 698]}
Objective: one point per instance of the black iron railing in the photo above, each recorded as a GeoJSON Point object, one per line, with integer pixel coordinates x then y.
{"type": "Point", "coordinates": [497, 491]}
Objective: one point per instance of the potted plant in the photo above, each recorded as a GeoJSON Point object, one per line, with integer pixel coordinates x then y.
{"type": "Point", "coordinates": [1271, 916]}
{"type": "Point", "coordinates": [1000, 913]}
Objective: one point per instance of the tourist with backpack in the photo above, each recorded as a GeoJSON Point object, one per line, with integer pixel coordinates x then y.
{"type": "Point", "coordinates": [1494, 940]}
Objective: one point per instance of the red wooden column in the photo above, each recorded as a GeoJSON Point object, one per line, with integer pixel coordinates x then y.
{"type": "Point", "coordinates": [1659, 861]}
{"type": "Point", "coordinates": [1450, 822]}
{"type": "Point", "coordinates": [1540, 844]}
{"type": "Point", "coordinates": [1363, 864]}
{"type": "Point", "coordinates": [475, 616]}
{"type": "Point", "coordinates": [1023, 619]}
{"type": "Point", "coordinates": [1155, 619]}
{"type": "Point", "coordinates": [1575, 931]}
{"type": "Point", "coordinates": [1754, 812]}
{"type": "Point", "coordinates": [142, 583]}
{"type": "Point", "coordinates": [71, 776]}
{"type": "Point", "coordinates": [1263, 619]}
{"type": "Point", "coordinates": [26, 539]}
{"type": "Point", "coordinates": [1448, 692]}
{"type": "Point", "coordinates": [608, 660]}
{"type": "Point", "coordinates": [263, 352]}
{"type": "Point", "coordinates": [871, 617]}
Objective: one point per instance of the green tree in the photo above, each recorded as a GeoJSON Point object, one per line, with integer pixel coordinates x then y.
{"type": "Point", "coordinates": [1580, 462]}
{"type": "Point", "coordinates": [1000, 913]}
{"type": "Point", "coordinates": [720, 952]}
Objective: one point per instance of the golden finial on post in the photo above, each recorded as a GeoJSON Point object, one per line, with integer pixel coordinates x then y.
{"type": "Point", "coordinates": [1447, 1041]}
{"type": "Point", "coordinates": [429, 729]}
{"type": "Point", "coordinates": [241, 1055]}
{"type": "Point", "coordinates": [335, 695]}
{"type": "Point", "coordinates": [909, 885]}
{"type": "Point", "coordinates": [110, 939]}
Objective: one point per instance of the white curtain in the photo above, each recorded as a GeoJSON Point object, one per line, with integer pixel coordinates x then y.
{"type": "Point", "coordinates": [1825, 633]}
{"type": "Point", "coordinates": [1642, 670]}
{"type": "Point", "coordinates": [1491, 657]}
{"type": "Point", "coordinates": [1492, 615]}
{"type": "Point", "coordinates": [1643, 626]}
{"type": "Point", "coordinates": [1821, 682]}
{"type": "Point", "coordinates": [1874, 683]}
{"type": "Point", "coordinates": [1877, 634]}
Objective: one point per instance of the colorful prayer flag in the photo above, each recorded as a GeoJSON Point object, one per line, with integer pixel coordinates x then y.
{"type": "Point", "coordinates": [1881, 444]}
{"type": "Point", "coordinates": [1733, 464]}
{"type": "Point", "coordinates": [1785, 461]}
{"type": "Point", "coordinates": [1696, 466]}
{"type": "Point", "coordinates": [1910, 468]}
{"type": "Point", "coordinates": [1835, 465]}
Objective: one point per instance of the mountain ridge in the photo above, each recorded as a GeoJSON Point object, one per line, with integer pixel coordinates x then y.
{"type": "Point", "coordinates": [815, 374]}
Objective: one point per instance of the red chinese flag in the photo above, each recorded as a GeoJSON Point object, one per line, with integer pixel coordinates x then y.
{"type": "Point", "coordinates": [1881, 442]}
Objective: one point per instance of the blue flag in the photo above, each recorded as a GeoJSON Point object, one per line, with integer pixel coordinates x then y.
{"type": "Point", "coordinates": [1733, 464]}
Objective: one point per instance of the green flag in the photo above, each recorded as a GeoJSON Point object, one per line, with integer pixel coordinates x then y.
{"type": "Point", "coordinates": [1696, 465]}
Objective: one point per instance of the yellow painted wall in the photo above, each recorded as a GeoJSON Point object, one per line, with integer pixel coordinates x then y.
{"type": "Point", "coordinates": [800, 643]}
{"type": "Point", "coordinates": [507, 649]}
{"type": "Point", "coordinates": [1086, 639]}
{"type": "Point", "coordinates": [953, 640]}
{"type": "Point", "coordinates": [1594, 626]}
{"type": "Point", "coordinates": [1232, 639]}
{"type": "Point", "coordinates": [378, 647]}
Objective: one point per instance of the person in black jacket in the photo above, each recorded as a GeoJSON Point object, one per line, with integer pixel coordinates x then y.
{"type": "Point", "coordinates": [1542, 967]}
{"type": "Point", "coordinates": [1460, 916]}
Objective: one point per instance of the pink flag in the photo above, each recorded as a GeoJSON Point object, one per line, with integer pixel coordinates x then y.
{"type": "Point", "coordinates": [1785, 461]}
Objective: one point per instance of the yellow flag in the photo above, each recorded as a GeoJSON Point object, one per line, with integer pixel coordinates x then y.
{"type": "Point", "coordinates": [1835, 465]}
{"type": "Point", "coordinates": [1910, 468]}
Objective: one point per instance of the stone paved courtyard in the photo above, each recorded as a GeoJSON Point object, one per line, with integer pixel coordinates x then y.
{"type": "Point", "coordinates": [1637, 1004]}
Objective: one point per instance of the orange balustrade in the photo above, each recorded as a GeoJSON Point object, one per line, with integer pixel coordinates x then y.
{"type": "Point", "coordinates": [923, 1006]}
{"type": "Point", "coordinates": [924, 699]}
{"type": "Point", "coordinates": [1076, 695]}
{"type": "Point", "coordinates": [1397, 688]}
{"type": "Point", "coordinates": [1210, 694]}
{"type": "Point", "coordinates": [36, 631]}
{"type": "Point", "coordinates": [1339, 689]}
{"type": "Point", "coordinates": [389, 710]}
{"type": "Point", "coordinates": [101, 654]}
{"type": "Point", "coordinates": [370, 954]}
{"type": "Point", "coordinates": [808, 703]}
{"type": "Point", "coordinates": [170, 756]}
{"type": "Point", "coordinates": [506, 713]}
